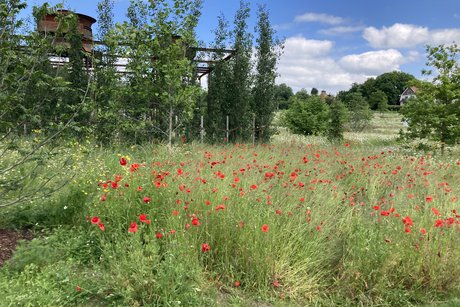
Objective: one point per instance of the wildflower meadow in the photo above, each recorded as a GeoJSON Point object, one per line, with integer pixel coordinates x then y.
{"type": "Point", "coordinates": [287, 223]}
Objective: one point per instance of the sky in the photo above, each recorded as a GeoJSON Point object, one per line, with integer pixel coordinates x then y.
{"type": "Point", "coordinates": [330, 44]}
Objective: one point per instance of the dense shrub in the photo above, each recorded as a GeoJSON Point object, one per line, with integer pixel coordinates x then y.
{"type": "Point", "coordinates": [307, 116]}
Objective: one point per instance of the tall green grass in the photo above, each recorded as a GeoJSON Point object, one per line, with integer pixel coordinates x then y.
{"type": "Point", "coordinates": [291, 223]}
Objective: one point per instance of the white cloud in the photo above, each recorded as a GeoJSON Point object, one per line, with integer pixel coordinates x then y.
{"type": "Point", "coordinates": [299, 47]}
{"type": "Point", "coordinates": [307, 63]}
{"type": "Point", "coordinates": [445, 36]}
{"type": "Point", "coordinates": [340, 30]}
{"type": "Point", "coordinates": [408, 36]}
{"type": "Point", "coordinates": [373, 62]}
{"type": "Point", "coordinates": [321, 18]}
{"type": "Point", "coordinates": [397, 36]}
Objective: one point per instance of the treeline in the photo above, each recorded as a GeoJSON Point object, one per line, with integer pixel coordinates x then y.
{"type": "Point", "coordinates": [158, 97]}
{"type": "Point", "coordinates": [381, 93]}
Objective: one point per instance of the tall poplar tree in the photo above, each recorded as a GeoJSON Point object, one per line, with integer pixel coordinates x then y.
{"type": "Point", "coordinates": [267, 50]}
{"type": "Point", "coordinates": [240, 81]}
{"type": "Point", "coordinates": [217, 105]}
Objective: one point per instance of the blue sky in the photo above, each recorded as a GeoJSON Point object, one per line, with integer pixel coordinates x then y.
{"type": "Point", "coordinates": [329, 44]}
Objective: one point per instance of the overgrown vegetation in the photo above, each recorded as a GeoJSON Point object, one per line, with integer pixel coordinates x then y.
{"type": "Point", "coordinates": [340, 214]}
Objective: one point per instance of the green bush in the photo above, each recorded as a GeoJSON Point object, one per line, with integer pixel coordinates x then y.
{"type": "Point", "coordinates": [308, 116]}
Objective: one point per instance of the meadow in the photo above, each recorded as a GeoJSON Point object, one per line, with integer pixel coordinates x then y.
{"type": "Point", "coordinates": [297, 222]}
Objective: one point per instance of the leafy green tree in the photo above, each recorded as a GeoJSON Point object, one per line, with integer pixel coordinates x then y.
{"type": "Point", "coordinates": [393, 84]}
{"type": "Point", "coordinates": [105, 103]}
{"type": "Point", "coordinates": [367, 88]}
{"type": "Point", "coordinates": [338, 118]}
{"type": "Point", "coordinates": [302, 94]}
{"type": "Point", "coordinates": [360, 112]}
{"type": "Point", "coordinates": [264, 87]}
{"type": "Point", "coordinates": [435, 113]}
{"type": "Point", "coordinates": [282, 94]}
{"type": "Point", "coordinates": [160, 91]}
{"type": "Point", "coordinates": [30, 90]}
{"type": "Point", "coordinates": [307, 117]}
{"type": "Point", "coordinates": [378, 101]}
{"type": "Point", "coordinates": [314, 91]}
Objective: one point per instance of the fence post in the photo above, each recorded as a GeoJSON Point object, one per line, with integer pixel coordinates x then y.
{"type": "Point", "coordinates": [226, 130]}
{"type": "Point", "coordinates": [253, 129]}
{"type": "Point", "coordinates": [201, 128]}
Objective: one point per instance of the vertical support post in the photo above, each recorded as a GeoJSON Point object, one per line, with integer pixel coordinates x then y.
{"type": "Point", "coordinates": [226, 130]}
{"type": "Point", "coordinates": [254, 129]}
{"type": "Point", "coordinates": [201, 128]}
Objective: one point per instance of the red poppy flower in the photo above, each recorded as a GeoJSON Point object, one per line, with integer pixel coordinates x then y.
{"type": "Point", "coordinates": [205, 247]}
{"type": "Point", "coordinates": [123, 161]}
{"type": "Point", "coordinates": [159, 235]}
{"type": "Point", "coordinates": [408, 221]}
{"type": "Point", "coordinates": [435, 211]}
{"type": "Point", "coordinates": [438, 223]}
{"type": "Point", "coordinates": [147, 199]}
{"type": "Point", "coordinates": [423, 231]}
{"type": "Point", "coordinates": [101, 226]}
{"type": "Point", "coordinates": [132, 227]}
{"type": "Point", "coordinates": [265, 228]}
{"type": "Point", "coordinates": [429, 199]}
{"type": "Point", "coordinates": [95, 220]}
{"type": "Point", "coordinates": [195, 222]}
{"type": "Point", "coordinates": [143, 219]}
{"type": "Point", "coordinates": [236, 284]}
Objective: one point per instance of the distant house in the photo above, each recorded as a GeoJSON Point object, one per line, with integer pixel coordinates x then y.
{"type": "Point", "coordinates": [408, 93]}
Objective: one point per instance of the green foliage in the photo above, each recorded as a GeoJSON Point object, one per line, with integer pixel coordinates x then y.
{"type": "Point", "coordinates": [435, 113]}
{"type": "Point", "coordinates": [264, 84]}
{"type": "Point", "coordinates": [217, 102]}
{"type": "Point", "coordinates": [360, 112]}
{"type": "Point", "coordinates": [378, 101]}
{"type": "Point", "coordinates": [307, 117]}
{"type": "Point", "coordinates": [393, 84]}
{"type": "Point", "coordinates": [240, 81]}
{"type": "Point", "coordinates": [282, 94]}
{"type": "Point", "coordinates": [338, 119]}
{"type": "Point", "coordinates": [302, 94]}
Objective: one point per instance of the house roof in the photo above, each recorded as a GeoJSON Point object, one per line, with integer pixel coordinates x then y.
{"type": "Point", "coordinates": [409, 91]}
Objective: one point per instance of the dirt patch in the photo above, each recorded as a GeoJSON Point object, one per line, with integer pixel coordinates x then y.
{"type": "Point", "coordinates": [9, 240]}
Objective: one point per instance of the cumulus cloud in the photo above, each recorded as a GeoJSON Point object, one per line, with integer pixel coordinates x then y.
{"type": "Point", "coordinates": [373, 62]}
{"type": "Point", "coordinates": [307, 63]}
{"type": "Point", "coordinates": [340, 30]}
{"type": "Point", "coordinates": [321, 18]}
{"type": "Point", "coordinates": [299, 47]}
{"type": "Point", "coordinates": [408, 36]}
